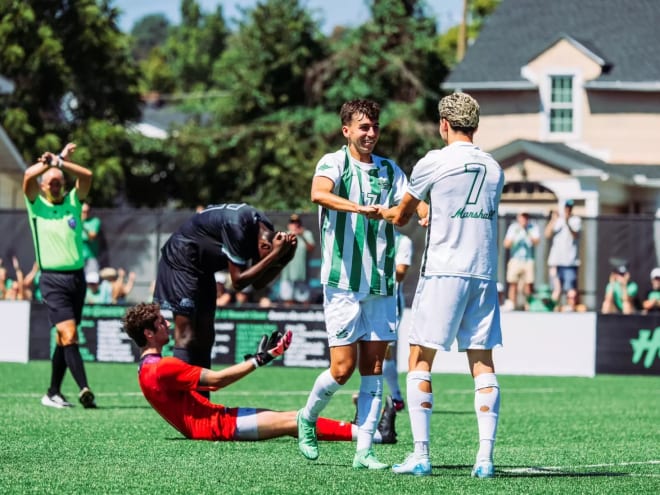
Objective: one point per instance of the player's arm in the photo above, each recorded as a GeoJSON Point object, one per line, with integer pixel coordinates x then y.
{"type": "Point", "coordinates": [269, 348]}
{"type": "Point", "coordinates": [402, 213]}
{"type": "Point", "coordinates": [322, 195]}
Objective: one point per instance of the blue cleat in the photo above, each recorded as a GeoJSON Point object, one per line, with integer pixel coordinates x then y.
{"type": "Point", "coordinates": [415, 465]}
{"type": "Point", "coordinates": [483, 469]}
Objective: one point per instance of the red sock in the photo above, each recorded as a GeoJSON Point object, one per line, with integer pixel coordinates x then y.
{"type": "Point", "coordinates": [331, 430]}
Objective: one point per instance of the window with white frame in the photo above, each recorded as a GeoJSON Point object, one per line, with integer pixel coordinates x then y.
{"type": "Point", "coordinates": [561, 104]}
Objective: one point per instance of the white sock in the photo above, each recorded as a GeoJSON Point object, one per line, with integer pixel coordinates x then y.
{"type": "Point", "coordinates": [392, 378]}
{"type": "Point", "coordinates": [420, 417]}
{"type": "Point", "coordinates": [487, 407]}
{"type": "Point", "coordinates": [324, 388]}
{"type": "Point", "coordinates": [370, 400]}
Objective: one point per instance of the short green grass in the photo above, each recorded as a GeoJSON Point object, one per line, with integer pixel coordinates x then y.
{"type": "Point", "coordinates": [556, 435]}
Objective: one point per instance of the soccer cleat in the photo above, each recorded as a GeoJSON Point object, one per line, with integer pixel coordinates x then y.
{"type": "Point", "coordinates": [56, 400]}
{"type": "Point", "coordinates": [86, 398]}
{"type": "Point", "coordinates": [386, 423]}
{"type": "Point", "coordinates": [415, 465]}
{"type": "Point", "coordinates": [307, 442]}
{"type": "Point", "coordinates": [399, 405]}
{"type": "Point", "coordinates": [366, 459]}
{"type": "Point", "coordinates": [483, 469]}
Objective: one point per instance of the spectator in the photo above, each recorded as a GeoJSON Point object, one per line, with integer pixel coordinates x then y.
{"type": "Point", "coordinates": [541, 300]}
{"type": "Point", "coordinates": [223, 296]}
{"type": "Point", "coordinates": [3, 280]}
{"type": "Point", "coordinates": [564, 233]}
{"type": "Point", "coordinates": [293, 279]}
{"type": "Point", "coordinates": [9, 288]}
{"type": "Point", "coordinates": [31, 284]}
{"type": "Point", "coordinates": [651, 303]}
{"type": "Point", "coordinates": [120, 286]}
{"type": "Point", "coordinates": [572, 303]}
{"type": "Point", "coordinates": [98, 291]}
{"type": "Point", "coordinates": [620, 293]}
{"type": "Point", "coordinates": [520, 239]}
{"type": "Point", "coordinates": [91, 229]}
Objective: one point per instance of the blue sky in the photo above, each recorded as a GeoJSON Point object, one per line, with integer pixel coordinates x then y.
{"type": "Point", "coordinates": [332, 12]}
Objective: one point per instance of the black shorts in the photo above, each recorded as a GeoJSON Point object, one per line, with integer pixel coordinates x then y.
{"type": "Point", "coordinates": [64, 294]}
{"type": "Point", "coordinates": [184, 292]}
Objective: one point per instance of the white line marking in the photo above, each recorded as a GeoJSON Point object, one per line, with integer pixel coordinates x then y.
{"type": "Point", "coordinates": [559, 470]}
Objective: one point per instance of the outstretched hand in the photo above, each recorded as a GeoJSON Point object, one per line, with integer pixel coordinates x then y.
{"type": "Point", "coordinates": [271, 347]}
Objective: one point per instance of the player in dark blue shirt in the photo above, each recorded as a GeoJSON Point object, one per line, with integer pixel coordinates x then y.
{"type": "Point", "coordinates": [233, 237]}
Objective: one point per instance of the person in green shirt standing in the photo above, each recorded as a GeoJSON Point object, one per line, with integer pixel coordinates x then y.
{"type": "Point", "coordinates": [56, 224]}
{"type": "Point", "coordinates": [90, 235]}
{"type": "Point", "coordinates": [293, 278]}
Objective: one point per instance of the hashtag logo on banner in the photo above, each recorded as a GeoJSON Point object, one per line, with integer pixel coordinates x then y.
{"type": "Point", "coordinates": [645, 344]}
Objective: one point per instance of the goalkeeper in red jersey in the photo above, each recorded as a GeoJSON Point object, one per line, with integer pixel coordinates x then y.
{"type": "Point", "coordinates": [172, 388]}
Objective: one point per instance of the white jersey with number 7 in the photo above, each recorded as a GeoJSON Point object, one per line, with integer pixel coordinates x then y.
{"type": "Point", "coordinates": [463, 186]}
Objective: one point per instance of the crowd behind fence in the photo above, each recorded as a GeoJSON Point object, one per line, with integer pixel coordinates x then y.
{"type": "Point", "coordinates": [131, 239]}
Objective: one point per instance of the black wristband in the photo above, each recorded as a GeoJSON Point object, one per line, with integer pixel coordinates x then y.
{"type": "Point", "coordinates": [261, 358]}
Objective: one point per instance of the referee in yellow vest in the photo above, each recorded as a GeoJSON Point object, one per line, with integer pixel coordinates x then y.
{"type": "Point", "coordinates": [55, 220]}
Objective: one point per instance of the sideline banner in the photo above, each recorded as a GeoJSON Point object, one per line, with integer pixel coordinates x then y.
{"type": "Point", "coordinates": [628, 344]}
{"type": "Point", "coordinates": [237, 332]}
{"type": "Point", "coordinates": [15, 316]}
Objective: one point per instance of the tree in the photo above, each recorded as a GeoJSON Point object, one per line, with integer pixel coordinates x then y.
{"type": "Point", "coordinates": [194, 46]}
{"type": "Point", "coordinates": [256, 139]}
{"type": "Point", "coordinates": [264, 65]}
{"type": "Point", "coordinates": [71, 67]}
{"type": "Point", "coordinates": [391, 59]}
{"type": "Point", "coordinates": [148, 33]}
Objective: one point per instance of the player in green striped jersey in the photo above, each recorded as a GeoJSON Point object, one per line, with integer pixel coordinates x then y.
{"type": "Point", "coordinates": [357, 273]}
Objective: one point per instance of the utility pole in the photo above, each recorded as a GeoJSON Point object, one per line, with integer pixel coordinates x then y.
{"type": "Point", "coordinates": [461, 44]}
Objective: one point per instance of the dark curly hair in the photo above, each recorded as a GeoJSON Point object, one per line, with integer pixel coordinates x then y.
{"type": "Point", "coordinates": [369, 108]}
{"type": "Point", "coordinates": [140, 318]}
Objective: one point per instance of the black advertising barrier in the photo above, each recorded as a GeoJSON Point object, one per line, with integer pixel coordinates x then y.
{"type": "Point", "coordinates": [237, 332]}
{"type": "Point", "coordinates": [628, 344]}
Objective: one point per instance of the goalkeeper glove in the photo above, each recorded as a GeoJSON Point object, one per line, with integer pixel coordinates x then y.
{"type": "Point", "coordinates": [271, 347]}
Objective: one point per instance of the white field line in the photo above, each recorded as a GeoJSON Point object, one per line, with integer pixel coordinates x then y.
{"type": "Point", "coordinates": [574, 469]}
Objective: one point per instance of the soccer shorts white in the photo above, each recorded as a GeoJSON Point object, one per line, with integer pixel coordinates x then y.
{"type": "Point", "coordinates": [351, 316]}
{"type": "Point", "coordinates": [448, 308]}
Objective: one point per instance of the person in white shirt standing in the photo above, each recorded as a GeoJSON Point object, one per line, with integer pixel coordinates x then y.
{"type": "Point", "coordinates": [456, 296]}
{"type": "Point", "coordinates": [520, 239]}
{"type": "Point", "coordinates": [357, 274]}
{"type": "Point", "coordinates": [564, 257]}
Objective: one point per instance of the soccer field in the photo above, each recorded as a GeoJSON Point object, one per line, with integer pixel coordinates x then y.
{"type": "Point", "coordinates": [556, 435]}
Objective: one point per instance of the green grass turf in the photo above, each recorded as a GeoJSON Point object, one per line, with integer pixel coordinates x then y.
{"type": "Point", "coordinates": [556, 435]}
